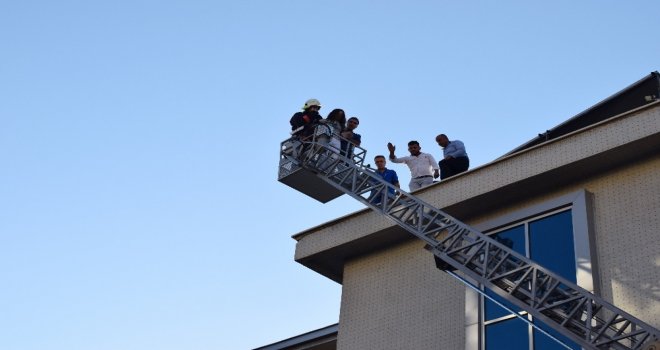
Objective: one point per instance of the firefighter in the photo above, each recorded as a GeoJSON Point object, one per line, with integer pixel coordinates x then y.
{"type": "Point", "coordinates": [302, 123]}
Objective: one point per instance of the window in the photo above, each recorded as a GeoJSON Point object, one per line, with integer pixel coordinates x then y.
{"type": "Point", "coordinates": [555, 234]}
{"type": "Point", "coordinates": [548, 240]}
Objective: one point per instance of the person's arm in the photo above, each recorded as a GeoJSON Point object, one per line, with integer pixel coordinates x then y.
{"type": "Point", "coordinates": [396, 184]}
{"type": "Point", "coordinates": [314, 117]}
{"type": "Point", "coordinates": [346, 134]}
{"type": "Point", "coordinates": [395, 181]}
{"type": "Point", "coordinates": [457, 150]}
{"type": "Point", "coordinates": [356, 139]}
{"type": "Point", "coordinates": [391, 148]}
{"type": "Point", "coordinates": [434, 165]}
{"type": "Point", "coordinates": [296, 121]}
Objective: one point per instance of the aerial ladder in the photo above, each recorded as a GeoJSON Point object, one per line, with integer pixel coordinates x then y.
{"type": "Point", "coordinates": [317, 169]}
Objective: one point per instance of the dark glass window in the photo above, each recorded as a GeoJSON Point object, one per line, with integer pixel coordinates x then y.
{"type": "Point", "coordinates": [550, 242]}
{"type": "Point", "coordinates": [514, 238]}
{"type": "Point", "coordinates": [511, 334]}
{"type": "Point", "coordinates": [543, 342]}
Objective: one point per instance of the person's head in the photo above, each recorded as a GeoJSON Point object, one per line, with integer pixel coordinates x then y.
{"type": "Point", "coordinates": [312, 104]}
{"type": "Point", "coordinates": [338, 115]}
{"type": "Point", "coordinates": [380, 162]}
{"type": "Point", "coordinates": [352, 123]}
{"type": "Point", "coordinates": [442, 140]}
{"type": "Point", "coordinates": [414, 148]}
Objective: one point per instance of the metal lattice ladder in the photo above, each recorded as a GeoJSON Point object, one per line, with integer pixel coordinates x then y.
{"type": "Point", "coordinates": [569, 309]}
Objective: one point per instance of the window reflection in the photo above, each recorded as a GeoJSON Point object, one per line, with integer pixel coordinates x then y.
{"type": "Point", "coordinates": [543, 342]}
{"type": "Point", "coordinates": [510, 335]}
{"type": "Point", "coordinates": [514, 238]}
{"type": "Point", "coordinates": [550, 242]}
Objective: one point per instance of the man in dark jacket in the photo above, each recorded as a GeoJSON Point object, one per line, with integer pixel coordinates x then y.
{"type": "Point", "coordinates": [302, 123]}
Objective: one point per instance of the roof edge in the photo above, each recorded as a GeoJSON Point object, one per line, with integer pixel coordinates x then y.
{"type": "Point", "coordinates": [653, 76]}
{"type": "Point", "coordinates": [297, 340]}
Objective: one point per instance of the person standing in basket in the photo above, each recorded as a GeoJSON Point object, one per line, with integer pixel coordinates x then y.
{"type": "Point", "coordinates": [302, 123]}
{"type": "Point", "coordinates": [350, 134]}
{"type": "Point", "coordinates": [337, 122]}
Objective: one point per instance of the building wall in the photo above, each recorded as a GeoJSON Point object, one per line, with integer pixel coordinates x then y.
{"type": "Point", "coordinates": [627, 227]}
{"type": "Point", "coordinates": [626, 219]}
{"type": "Point", "coordinates": [397, 299]}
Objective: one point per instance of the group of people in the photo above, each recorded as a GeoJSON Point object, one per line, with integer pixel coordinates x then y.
{"type": "Point", "coordinates": [423, 167]}
{"type": "Point", "coordinates": [303, 124]}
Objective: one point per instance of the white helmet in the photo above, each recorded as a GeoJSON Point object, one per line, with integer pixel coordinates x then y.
{"type": "Point", "coordinates": [312, 102]}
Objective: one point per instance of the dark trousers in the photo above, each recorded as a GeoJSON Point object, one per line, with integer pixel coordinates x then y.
{"type": "Point", "coordinates": [453, 166]}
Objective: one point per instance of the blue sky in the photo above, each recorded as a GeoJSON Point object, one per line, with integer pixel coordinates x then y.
{"type": "Point", "coordinates": [139, 202]}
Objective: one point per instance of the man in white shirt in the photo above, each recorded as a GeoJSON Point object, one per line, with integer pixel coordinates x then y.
{"type": "Point", "coordinates": [423, 167]}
